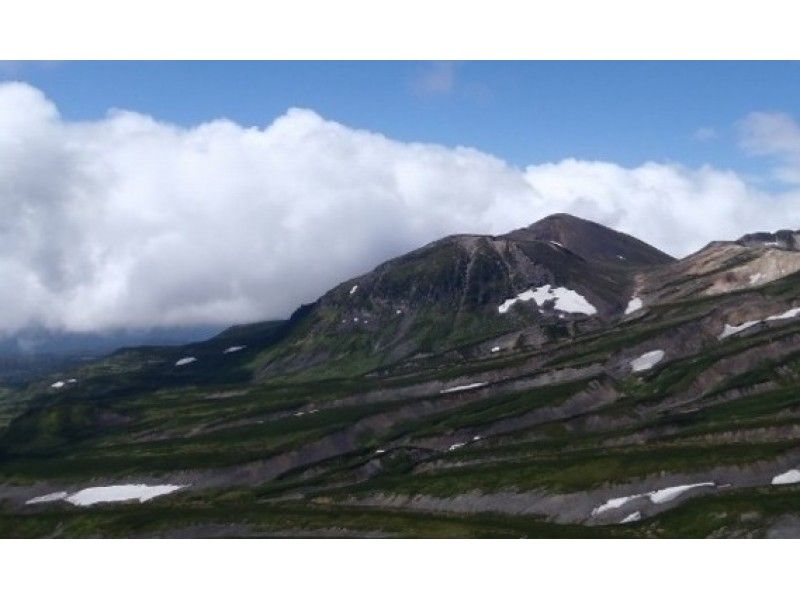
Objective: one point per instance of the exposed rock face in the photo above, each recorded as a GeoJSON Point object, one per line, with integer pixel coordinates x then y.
{"type": "Point", "coordinates": [464, 288]}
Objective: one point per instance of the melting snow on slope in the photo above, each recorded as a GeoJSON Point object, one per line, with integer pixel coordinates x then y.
{"type": "Point", "coordinates": [564, 299]}
{"type": "Point", "coordinates": [495, 349]}
{"type": "Point", "coordinates": [790, 313]}
{"type": "Point", "coordinates": [99, 494]}
{"type": "Point", "coordinates": [354, 289]}
{"type": "Point", "coordinates": [655, 496]}
{"type": "Point", "coordinates": [59, 384]}
{"type": "Point", "coordinates": [185, 361]}
{"type": "Point", "coordinates": [730, 330]}
{"type": "Point", "coordinates": [646, 361]}
{"type": "Point", "coordinates": [635, 516]}
{"type": "Point", "coordinates": [668, 494]}
{"type": "Point", "coordinates": [52, 497]}
{"type": "Point", "coordinates": [234, 349]}
{"type": "Point", "coordinates": [634, 304]}
{"type": "Point", "coordinates": [615, 503]}
{"type": "Point", "coordinates": [790, 477]}
{"type": "Point", "coordinates": [464, 387]}
{"type": "Point", "coordinates": [457, 445]}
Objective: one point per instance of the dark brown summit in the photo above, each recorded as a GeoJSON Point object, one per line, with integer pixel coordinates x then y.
{"type": "Point", "coordinates": [591, 241]}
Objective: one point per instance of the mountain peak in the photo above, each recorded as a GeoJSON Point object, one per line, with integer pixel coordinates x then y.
{"type": "Point", "coordinates": [591, 241]}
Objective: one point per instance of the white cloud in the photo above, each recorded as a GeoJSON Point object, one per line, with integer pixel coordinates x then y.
{"type": "Point", "coordinates": [436, 78]}
{"type": "Point", "coordinates": [705, 134]}
{"type": "Point", "coordinates": [776, 135]}
{"type": "Point", "coordinates": [126, 221]}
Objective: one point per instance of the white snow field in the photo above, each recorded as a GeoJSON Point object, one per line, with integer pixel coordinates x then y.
{"type": "Point", "coordinates": [185, 361]}
{"type": "Point", "coordinates": [647, 360]}
{"type": "Point", "coordinates": [234, 349]}
{"type": "Point", "coordinates": [789, 313]}
{"type": "Point", "coordinates": [635, 304]}
{"type": "Point", "coordinates": [564, 299]}
{"type": "Point", "coordinates": [730, 330]}
{"type": "Point", "coordinates": [789, 477]}
{"type": "Point", "coordinates": [655, 496]}
{"type": "Point", "coordinates": [615, 503]}
{"type": "Point", "coordinates": [101, 494]}
{"type": "Point", "coordinates": [635, 516]}
{"type": "Point", "coordinates": [668, 494]}
{"type": "Point", "coordinates": [52, 497]}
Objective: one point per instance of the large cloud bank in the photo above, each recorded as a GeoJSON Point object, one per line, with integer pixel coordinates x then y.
{"type": "Point", "coordinates": [127, 221]}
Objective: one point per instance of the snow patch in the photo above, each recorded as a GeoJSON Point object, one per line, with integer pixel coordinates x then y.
{"type": "Point", "coordinates": [99, 494]}
{"type": "Point", "coordinates": [564, 299]}
{"type": "Point", "coordinates": [647, 360]}
{"type": "Point", "coordinates": [635, 516]}
{"type": "Point", "coordinates": [185, 361]}
{"type": "Point", "coordinates": [731, 330]}
{"type": "Point", "coordinates": [673, 492]}
{"type": "Point", "coordinates": [59, 384]}
{"type": "Point", "coordinates": [457, 445]}
{"type": "Point", "coordinates": [52, 497]}
{"type": "Point", "coordinates": [634, 304]}
{"type": "Point", "coordinates": [354, 289]}
{"type": "Point", "coordinates": [790, 477]}
{"type": "Point", "coordinates": [495, 349]}
{"type": "Point", "coordinates": [234, 349]}
{"type": "Point", "coordinates": [619, 257]}
{"type": "Point", "coordinates": [72, 381]}
{"type": "Point", "coordinates": [463, 387]}
{"type": "Point", "coordinates": [756, 278]}
{"type": "Point", "coordinates": [655, 496]}
{"type": "Point", "coordinates": [615, 503]}
{"type": "Point", "coordinates": [791, 313]}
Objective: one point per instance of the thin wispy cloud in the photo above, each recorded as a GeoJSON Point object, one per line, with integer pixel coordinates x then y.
{"type": "Point", "coordinates": [435, 79]}
{"type": "Point", "coordinates": [776, 135]}
{"type": "Point", "coordinates": [128, 221]}
{"type": "Point", "coordinates": [704, 134]}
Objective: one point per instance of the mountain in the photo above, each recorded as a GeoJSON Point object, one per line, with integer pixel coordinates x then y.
{"type": "Point", "coordinates": [562, 380]}
{"type": "Point", "coordinates": [531, 286]}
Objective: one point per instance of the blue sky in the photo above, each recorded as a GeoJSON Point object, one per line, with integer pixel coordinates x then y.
{"type": "Point", "coordinates": [524, 112]}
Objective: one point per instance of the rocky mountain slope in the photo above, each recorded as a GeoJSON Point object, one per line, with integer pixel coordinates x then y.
{"type": "Point", "coordinates": [528, 287]}
{"type": "Point", "coordinates": [560, 380]}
